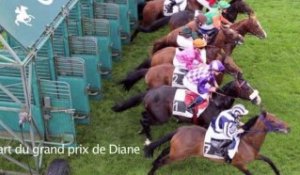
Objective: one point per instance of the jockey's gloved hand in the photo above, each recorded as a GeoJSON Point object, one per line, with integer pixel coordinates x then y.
{"type": "Point", "coordinates": [240, 131]}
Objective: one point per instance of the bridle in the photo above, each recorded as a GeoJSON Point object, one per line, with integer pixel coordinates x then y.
{"type": "Point", "coordinates": [269, 126]}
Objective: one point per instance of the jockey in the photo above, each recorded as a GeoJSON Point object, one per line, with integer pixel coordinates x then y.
{"type": "Point", "coordinates": [227, 124]}
{"type": "Point", "coordinates": [215, 19]}
{"type": "Point", "coordinates": [168, 4]}
{"type": "Point", "coordinates": [186, 35]}
{"type": "Point", "coordinates": [192, 57]}
{"type": "Point", "coordinates": [207, 4]}
{"type": "Point", "coordinates": [202, 81]}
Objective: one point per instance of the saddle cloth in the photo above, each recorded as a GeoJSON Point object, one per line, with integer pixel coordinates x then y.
{"type": "Point", "coordinates": [176, 8]}
{"type": "Point", "coordinates": [178, 75]}
{"type": "Point", "coordinates": [216, 145]}
{"type": "Point", "coordinates": [182, 99]}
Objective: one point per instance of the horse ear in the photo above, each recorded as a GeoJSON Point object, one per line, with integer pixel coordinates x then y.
{"type": "Point", "coordinates": [240, 76]}
{"type": "Point", "coordinates": [252, 15]}
{"type": "Point", "coordinates": [264, 113]}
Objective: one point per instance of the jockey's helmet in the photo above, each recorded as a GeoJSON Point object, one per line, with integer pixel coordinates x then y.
{"type": "Point", "coordinates": [239, 110]}
{"type": "Point", "coordinates": [199, 43]}
{"type": "Point", "coordinates": [223, 4]}
{"type": "Point", "coordinates": [216, 65]}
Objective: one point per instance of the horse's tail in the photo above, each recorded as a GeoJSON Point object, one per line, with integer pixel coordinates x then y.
{"type": "Point", "coordinates": [129, 103]}
{"type": "Point", "coordinates": [155, 25]}
{"type": "Point", "coordinates": [149, 149]}
{"type": "Point", "coordinates": [159, 44]}
{"type": "Point", "coordinates": [132, 78]}
{"type": "Point", "coordinates": [145, 64]}
{"type": "Point", "coordinates": [141, 6]}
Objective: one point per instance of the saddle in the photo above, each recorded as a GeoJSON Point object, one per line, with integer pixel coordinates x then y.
{"type": "Point", "coordinates": [183, 98]}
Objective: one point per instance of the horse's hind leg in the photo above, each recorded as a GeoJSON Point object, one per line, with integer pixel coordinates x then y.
{"type": "Point", "coordinates": [243, 169]}
{"type": "Point", "coordinates": [269, 161]}
{"type": "Point", "coordinates": [161, 160]}
{"type": "Point", "coordinates": [146, 122]}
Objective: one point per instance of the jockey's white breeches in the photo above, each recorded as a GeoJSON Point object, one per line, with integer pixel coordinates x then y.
{"type": "Point", "coordinates": [184, 42]}
{"type": "Point", "coordinates": [205, 3]}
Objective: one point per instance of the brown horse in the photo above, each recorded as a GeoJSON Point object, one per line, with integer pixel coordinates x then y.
{"type": "Point", "coordinates": [225, 36]}
{"type": "Point", "coordinates": [159, 105]}
{"type": "Point", "coordinates": [166, 55]}
{"type": "Point", "coordinates": [161, 72]}
{"type": "Point", "coordinates": [236, 6]}
{"type": "Point", "coordinates": [249, 25]}
{"type": "Point", "coordinates": [153, 11]}
{"type": "Point", "coordinates": [188, 141]}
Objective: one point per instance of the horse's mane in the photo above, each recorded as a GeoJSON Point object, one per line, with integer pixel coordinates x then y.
{"type": "Point", "coordinates": [232, 1]}
{"type": "Point", "coordinates": [250, 123]}
{"type": "Point", "coordinates": [238, 23]}
{"type": "Point", "coordinates": [226, 86]}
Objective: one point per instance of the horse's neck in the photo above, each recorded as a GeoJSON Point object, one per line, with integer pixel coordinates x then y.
{"type": "Point", "coordinates": [224, 101]}
{"type": "Point", "coordinates": [192, 25]}
{"type": "Point", "coordinates": [219, 40]}
{"type": "Point", "coordinates": [193, 5]}
{"type": "Point", "coordinates": [240, 27]}
{"type": "Point", "coordinates": [256, 135]}
{"type": "Point", "coordinates": [228, 48]}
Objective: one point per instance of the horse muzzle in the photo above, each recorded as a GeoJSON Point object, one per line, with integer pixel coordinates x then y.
{"type": "Point", "coordinates": [283, 130]}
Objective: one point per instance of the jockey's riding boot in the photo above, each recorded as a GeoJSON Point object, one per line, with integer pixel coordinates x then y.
{"type": "Point", "coordinates": [197, 101]}
{"type": "Point", "coordinates": [169, 7]}
{"type": "Point", "coordinates": [227, 159]}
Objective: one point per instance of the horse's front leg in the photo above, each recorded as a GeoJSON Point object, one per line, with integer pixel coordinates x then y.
{"type": "Point", "coordinates": [270, 162]}
{"type": "Point", "coordinates": [243, 168]}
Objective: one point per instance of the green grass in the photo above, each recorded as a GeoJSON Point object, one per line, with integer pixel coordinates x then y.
{"type": "Point", "coordinates": [270, 65]}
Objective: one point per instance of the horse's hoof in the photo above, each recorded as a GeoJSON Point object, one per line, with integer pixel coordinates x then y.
{"type": "Point", "coordinates": [147, 142]}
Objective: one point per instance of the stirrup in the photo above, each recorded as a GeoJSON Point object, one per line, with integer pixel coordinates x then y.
{"type": "Point", "coordinates": [227, 159]}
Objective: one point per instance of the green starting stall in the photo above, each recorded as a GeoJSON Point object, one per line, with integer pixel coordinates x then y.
{"type": "Point", "coordinates": [42, 95]}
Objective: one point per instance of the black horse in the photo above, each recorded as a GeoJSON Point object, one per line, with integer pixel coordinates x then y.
{"type": "Point", "coordinates": [159, 103]}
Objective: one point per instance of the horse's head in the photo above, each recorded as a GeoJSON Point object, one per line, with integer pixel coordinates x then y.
{"type": "Point", "coordinates": [272, 123]}
{"type": "Point", "coordinates": [231, 36]}
{"type": "Point", "coordinates": [254, 27]}
{"type": "Point", "coordinates": [242, 89]}
{"type": "Point", "coordinates": [237, 6]}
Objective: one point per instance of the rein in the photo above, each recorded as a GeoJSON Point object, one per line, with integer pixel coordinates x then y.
{"type": "Point", "coordinates": [239, 86]}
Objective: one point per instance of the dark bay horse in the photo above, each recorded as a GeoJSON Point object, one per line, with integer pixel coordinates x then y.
{"type": "Point", "coordinates": [225, 36]}
{"type": "Point", "coordinates": [188, 141]}
{"type": "Point", "coordinates": [158, 103]}
{"type": "Point", "coordinates": [236, 6]}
